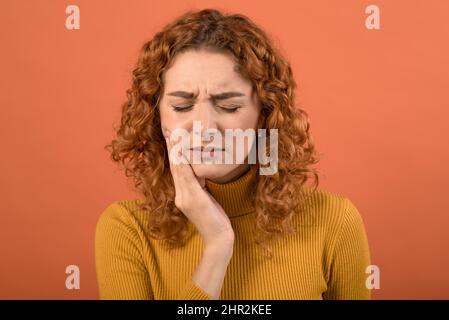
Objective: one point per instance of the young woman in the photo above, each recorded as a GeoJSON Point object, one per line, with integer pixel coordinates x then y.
{"type": "Point", "coordinates": [223, 231]}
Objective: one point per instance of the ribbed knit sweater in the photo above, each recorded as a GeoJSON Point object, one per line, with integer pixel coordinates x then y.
{"type": "Point", "coordinates": [325, 259]}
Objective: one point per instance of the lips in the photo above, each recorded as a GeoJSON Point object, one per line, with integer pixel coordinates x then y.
{"type": "Point", "coordinates": [207, 149]}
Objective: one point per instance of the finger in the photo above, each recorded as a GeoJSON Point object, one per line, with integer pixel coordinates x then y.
{"type": "Point", "coordinates": [187, 177]}
{"type": "Point", "coordinates": [174, 155]}
{"type": "Point", "coordinates": [174, 169]}
{"type": "Point", "coordinates": [182, 171]}
{"type": "Point", "coordinates": [183, 175]}
{"type": "Point", "coordinates": [185, 171]}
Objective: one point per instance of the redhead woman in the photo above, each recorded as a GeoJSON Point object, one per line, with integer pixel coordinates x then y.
{"type": "Point", "coordinates": [223, 229]}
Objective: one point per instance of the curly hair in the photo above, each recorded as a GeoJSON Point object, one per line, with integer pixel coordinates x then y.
{"type": "Point", "coordinates": [140, 146]}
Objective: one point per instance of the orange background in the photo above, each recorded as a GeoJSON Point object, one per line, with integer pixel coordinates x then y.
{"type": "Point", "coordinates": [378, 102]}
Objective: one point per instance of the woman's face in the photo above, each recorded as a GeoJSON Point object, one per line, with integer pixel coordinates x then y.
{"type": "Point", "coordinates": [204, 87]}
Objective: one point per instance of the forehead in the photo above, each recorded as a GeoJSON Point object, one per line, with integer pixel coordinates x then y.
{"type": "Point", "coordinates": [197, 70]}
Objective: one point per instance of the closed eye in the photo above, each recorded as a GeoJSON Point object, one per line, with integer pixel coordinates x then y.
{"type": "Point", "coordinates": [182, 108]}
{"type": "Point", "coordinates": [230, 109]}
{"type": "Point", "coordinates": [186, 108]}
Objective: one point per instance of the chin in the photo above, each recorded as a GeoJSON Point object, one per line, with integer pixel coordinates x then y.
{"type": "Point", "coordinates": [212, 171]}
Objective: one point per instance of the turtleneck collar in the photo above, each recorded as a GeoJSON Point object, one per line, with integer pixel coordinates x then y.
{"type": "Point", "coordinates": [236, 196]}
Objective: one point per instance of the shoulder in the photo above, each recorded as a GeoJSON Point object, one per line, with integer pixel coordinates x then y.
{"type": "Point", "coordinates": [121, 217]}
{"type": "Point", "coordinates": [118, 210]}
{"type": "Point", "coordinates": [339, 224]}
{"type": "Point", "coordinates": [330, 210]}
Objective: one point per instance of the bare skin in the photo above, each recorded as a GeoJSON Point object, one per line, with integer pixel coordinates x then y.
{"type": "Point", "coordinates": [205, 86]}
{"type": "Point", "coordinates": [210, 220]}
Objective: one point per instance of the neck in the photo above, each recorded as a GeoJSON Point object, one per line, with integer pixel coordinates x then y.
{"type": "Point", "coordinates": [236, 196]}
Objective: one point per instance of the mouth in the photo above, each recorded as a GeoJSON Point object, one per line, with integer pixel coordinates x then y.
{"type": "Point", "coordinates": [209, 153]}
{"type": "Point", "coordinates": [207, 150]}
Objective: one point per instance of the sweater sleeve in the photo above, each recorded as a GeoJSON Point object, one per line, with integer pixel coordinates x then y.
{"type": "Point", "coordinates": [350, 258]}
{"type": "Point", "coordinates": [120, 266]}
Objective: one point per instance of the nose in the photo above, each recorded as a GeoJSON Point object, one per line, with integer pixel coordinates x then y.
{"type": "Point", "coordinates": [207, 116]}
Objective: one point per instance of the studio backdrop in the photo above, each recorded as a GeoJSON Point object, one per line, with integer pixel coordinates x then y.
{"type": "Point", "coordinates": [372, 75]}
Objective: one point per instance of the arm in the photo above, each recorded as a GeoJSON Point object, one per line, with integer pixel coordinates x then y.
{"type": "Point", "coordinates": [210, 220]}
{"type": "Point", "coordinates": [120, 267]}
{"type": "Point", "coordinates": [350, 258]}
{"type": "Point", "coordinates": [211, 270]}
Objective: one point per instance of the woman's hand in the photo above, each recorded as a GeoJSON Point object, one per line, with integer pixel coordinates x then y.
{"type": "Point", "coordinates": [199, 205]}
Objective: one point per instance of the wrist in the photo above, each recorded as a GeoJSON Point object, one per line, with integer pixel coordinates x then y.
{"type": "Point", "coordinates": [219, 249]}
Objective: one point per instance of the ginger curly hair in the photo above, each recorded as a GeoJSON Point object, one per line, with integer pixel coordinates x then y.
{"type": "Point", "coordinates": [140, 146]}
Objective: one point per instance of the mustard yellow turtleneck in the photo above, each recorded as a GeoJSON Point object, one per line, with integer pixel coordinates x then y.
{"type": "Point", "coordinates": [325, 259]}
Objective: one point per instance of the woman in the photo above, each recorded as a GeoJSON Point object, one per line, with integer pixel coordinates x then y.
{"type": "Point", "coordinates": [222, 231]}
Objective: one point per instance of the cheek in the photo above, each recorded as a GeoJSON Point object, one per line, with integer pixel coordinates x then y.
{"type": "Point", "coordinates": [244, 120]}
{"type": "Point", "coordinates": [171, 120]}
{"type": "Point", "coordinates": [253, 116]}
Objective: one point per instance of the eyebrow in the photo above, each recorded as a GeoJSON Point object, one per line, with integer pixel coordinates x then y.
{"type": "Point", "coordinates": [214, 97]}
